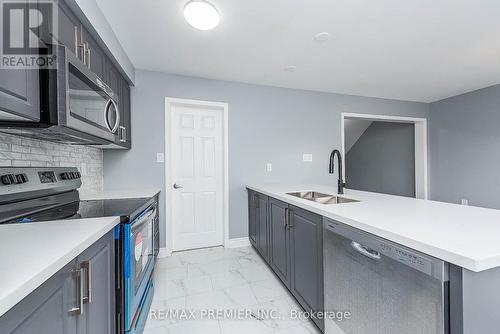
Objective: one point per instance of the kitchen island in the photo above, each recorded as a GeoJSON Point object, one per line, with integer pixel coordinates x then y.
{"type": "Point", "coordinates": [466, 238]}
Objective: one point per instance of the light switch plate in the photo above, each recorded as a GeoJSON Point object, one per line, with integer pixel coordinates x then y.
{"type": "Point", "coordinates": [269, 167]}
{"type": "Point", "coordinates": [160, 157]}
{"type": "Point", "coordinates": [307, 157]}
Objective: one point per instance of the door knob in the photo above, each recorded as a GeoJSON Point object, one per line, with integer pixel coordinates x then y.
{"type": "Point", "coordinates": [176, 186]}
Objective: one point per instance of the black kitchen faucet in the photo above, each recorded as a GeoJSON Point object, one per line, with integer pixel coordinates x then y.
{"type": "Point", "coordinates": [340, 183]}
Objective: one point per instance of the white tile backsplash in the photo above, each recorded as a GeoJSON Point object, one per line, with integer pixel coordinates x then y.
{"type": "Point", "coordinates": [27, 152]}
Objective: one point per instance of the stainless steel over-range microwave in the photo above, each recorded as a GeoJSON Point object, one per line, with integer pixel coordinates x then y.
{"type": "Point", "coordinates": [76, 105]}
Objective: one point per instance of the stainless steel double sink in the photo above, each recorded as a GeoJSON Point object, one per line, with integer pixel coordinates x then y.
{"type": "Point", "coordinates": [321, 198]}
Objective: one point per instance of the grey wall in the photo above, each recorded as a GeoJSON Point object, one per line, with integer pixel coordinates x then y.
{"type": "Point", "coordinates": [266, 124]}
{"type": "Point", "coordinates": [465, 148]}
{"type": "Point", "coordinates": [383, 160]}
{"type": "Point", "coordinates": [26, 152]}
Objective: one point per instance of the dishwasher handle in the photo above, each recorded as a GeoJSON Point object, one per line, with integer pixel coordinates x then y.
{"type": "Point", "coordinates": [366, 251]}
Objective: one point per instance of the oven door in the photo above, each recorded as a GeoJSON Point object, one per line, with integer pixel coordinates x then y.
{"type": "Point", "coordinates": [85, 102]}
{"type": "Point", "coordinates": [138, 262]}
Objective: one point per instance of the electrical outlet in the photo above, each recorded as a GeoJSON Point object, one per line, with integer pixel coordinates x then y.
{"type": "Point", "coordinates": [269, 167]}
{"type": "Point", "coordinates": [465, 202]}
{"type": "Point", "coordinates": [307, 157]}
{"type": "Point", "coordinates": [160, 157]}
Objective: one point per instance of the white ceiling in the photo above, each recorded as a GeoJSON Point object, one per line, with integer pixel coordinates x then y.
{"type": "Point", "coordinates": [418, 50]}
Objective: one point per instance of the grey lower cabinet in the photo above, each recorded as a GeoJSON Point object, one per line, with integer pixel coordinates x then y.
{"type": "Point", "coordinates": [258, 222]}
{"type": "Point", "coordinates": [261, 225]}
{"type": "Point", "coordinates": [252, 223]}
{"type": "Point", "coordinates": [279, 240]}
{"type": "Point", "coordinates": [294, 240]}
{"type": "Point", "coordinates": [306, 254]}
{"type": "Point", "coordinates": [98, 263]}
{"type": "Point", "coordinates": [78, 299]}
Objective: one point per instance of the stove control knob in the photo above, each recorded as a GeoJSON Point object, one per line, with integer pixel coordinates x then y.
{"type": "Point", "coordinates": [21, 178]}
{"type": "Point", "coordinates": [24, 178]}
{"type": "Point", "coordinates": [66, 176]}
{"type": "Point", "coordinates": [8, 179]}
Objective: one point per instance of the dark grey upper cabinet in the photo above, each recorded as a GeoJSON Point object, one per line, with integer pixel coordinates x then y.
{"type": "Point", "coordinates": [252, 226]}
{"type": "Point", "coordinates": [306, 241]}
{"type": "Point", "coordinates": [124, 134]}
{"type": "Point", "coordinates": [79, 299]}
{"type": "Point", "coordinates": [279, 245]}
{"type": "Point", "coordinates": [19, 95]}
{"type": "Point", "coordinates": [98, 266]}
{"type": "Point", "coordinates": [93, 56]}
{"type": "Point", "coordinates": [46, 310]}
{"type": "Point", "coordinates": [113, 77]}
{"type": "Point", "coordinates": [68, 33]}
{"type": "Point", "coordinates": [262, 236]}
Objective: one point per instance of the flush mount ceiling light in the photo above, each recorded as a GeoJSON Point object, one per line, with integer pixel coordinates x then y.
{"type": "Point", "coordinates": [201, 14]}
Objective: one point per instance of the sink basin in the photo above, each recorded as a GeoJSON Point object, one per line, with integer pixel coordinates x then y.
{"type": "Point", "coordinates": [310, 195]}
{"type": "Point", "coordinates": [321, 198]}
{"type": "Point", "coordinates": [334, 200]}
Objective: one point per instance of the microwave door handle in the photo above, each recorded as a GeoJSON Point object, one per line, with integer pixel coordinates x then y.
{"type": "Point", "coordinates": [117, 113]}
{"type": "Point", "coordinates": [114, 127]}
{"type": "Point", "coordinates": [106, 111]}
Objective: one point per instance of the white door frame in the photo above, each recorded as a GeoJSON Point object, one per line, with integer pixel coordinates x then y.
{"type": "Point", "coordinates": [421, 149]}
{"type": "Point", "coordinates": [224, 108]}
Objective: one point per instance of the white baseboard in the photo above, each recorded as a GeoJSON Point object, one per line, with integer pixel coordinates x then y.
{"type": "Point", "coordinates": [238, 242]}
{"type": "Point", "coordinates": [164, 253]}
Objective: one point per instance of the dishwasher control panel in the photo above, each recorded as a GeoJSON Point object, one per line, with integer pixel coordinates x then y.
{"type": "Point", "coordinates": [405, 256]}
{"type": "Point", "coordinates": [377, 248]}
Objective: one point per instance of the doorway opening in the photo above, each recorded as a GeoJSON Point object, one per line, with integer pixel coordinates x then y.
{"type": "Point", "coordinates": [385, 154]}
{"type": "Point", "coordinates": [196, 174]}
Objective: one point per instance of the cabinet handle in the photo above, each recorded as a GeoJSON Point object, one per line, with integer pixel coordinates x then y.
{"type": "Point", "coordinates": [285, 218]}
{"type": "Point", "coordinates": [123, 134]}
{"type": "Point", "coordinates": [76, 41]}
{"type": "Point", "coordinates": [87, 265]}
{"type": "Point", "coordinates": [79, 309]}
{"type": "Point", "coordinates": [82, 47]}
{"type": "Point", "coordinates": [87, 54]}
{"type": "Point", "coordinates": [290, 226]}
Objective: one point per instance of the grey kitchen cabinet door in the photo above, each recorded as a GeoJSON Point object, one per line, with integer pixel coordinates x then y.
{"type": "Point", "coordinates": [124, 134]}
{"type": "Point", "coordinates": [94, 56]}
{"type": "Point", "coordinates": [19, 95]}
{"type": "Point", "coordinates": [46, 310]}
{"type": "Point", "coordinates": [262, 226]}
{"type": "Point", "coordinates": [252, 227]}
{"type": "Point", "coordinates": [68, 32]}
{"type": "Point", "coordinates": [98, 264]}
{"type": "Point", "coordinates": [306, 241]}
{"type": "Point", "coordinates": [20, 92]}
{"type": "Point", "coordinates": [279, 239]}
{"type": "Point", "coordinates": [112, 78]}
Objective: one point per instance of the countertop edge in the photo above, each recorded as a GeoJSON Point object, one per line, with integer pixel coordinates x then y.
{"type": "Point", "coordinates": [12, 299]}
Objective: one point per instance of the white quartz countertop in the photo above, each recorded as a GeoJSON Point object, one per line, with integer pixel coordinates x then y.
{"type": "Point", "coordinates": [466, 236]}
{"type": "Point", "coordinates": [119, 194]}
{"type": "Point", "coordinates": [31, 253]}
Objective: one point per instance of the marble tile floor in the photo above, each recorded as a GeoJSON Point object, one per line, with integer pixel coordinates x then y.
{"type": "Point", "coordinates": [221, 291]}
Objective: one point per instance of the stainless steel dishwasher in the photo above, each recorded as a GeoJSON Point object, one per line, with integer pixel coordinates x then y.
{"type": "Point", "coordinates": [385, 287]}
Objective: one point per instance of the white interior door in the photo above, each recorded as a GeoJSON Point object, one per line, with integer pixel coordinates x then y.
{"type": "Point", "coordinates": [197, 176]}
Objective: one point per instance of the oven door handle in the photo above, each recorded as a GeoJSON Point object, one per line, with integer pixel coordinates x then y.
{"type": "Point", "coordinates": [144, 218]}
